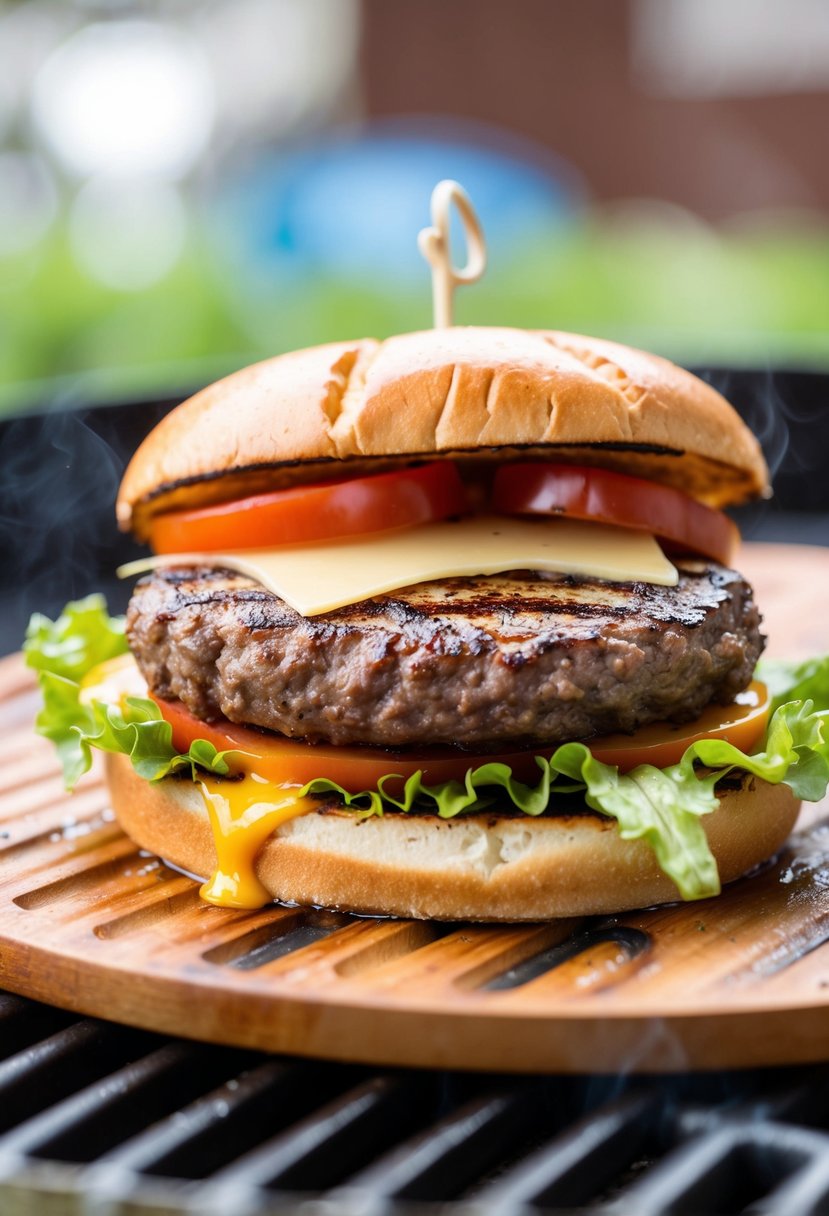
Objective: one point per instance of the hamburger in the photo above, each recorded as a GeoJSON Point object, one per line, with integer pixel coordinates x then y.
{"type": "Point", "coordinates": [444, 626]}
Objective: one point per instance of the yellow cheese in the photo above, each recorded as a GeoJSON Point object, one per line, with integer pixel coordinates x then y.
{"type": "Point", "coordinates": [327, 575]}
{"type": "Point", "coordinates": [243, 814]}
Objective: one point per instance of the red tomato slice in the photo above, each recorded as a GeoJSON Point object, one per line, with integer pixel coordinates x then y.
{"type": "Point", "coordinates": [291, 762]}
{"type": "Point", "coordinates": [324, 511]}
{"type": "Point", "coordinates": [616, 498]}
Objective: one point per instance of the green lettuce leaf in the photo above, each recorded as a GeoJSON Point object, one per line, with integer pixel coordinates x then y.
{"type": "Point", "coordinates": [662, 807]}
{"type": "Point", "coordinates": [63, 652]}
{"type": "Point", "coordinates": [83, 636]}
{"type": "Point", "coordinates": [790, 681]}
{"type": "Point", "coordinates": [796, 751]}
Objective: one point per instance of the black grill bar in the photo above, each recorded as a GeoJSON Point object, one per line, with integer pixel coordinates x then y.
{"type": "Point", "coordinates": [43, 1073]}
{"type": "Point", "coordinates": [108, 1116]}
{"type": "Point", "coordinates": [329, 1145]}
{"type": "Point", "coordinates": [83, 1126]}
{"type": "Point", "coordinates": [444, 1160]}
{"type": "Point", "coordinates": [730, 1170]}
{"type": "Point", "coordinates": [804, 1194]}
{"type": "Point", "coordinates": [577, 1166]}
{"type": "Point", "coordinates": [24, 1022]}
{"type": "Point", "coordinates": [204, 1136]}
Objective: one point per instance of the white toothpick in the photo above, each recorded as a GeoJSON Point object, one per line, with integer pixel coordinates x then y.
{"type": "Point", "coordinates": [433, 243]}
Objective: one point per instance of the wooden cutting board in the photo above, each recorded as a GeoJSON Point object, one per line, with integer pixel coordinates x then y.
{"type": "Point", "coordinates": [89, 922]}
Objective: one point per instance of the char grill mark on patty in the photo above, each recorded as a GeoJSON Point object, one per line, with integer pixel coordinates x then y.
{"type": "Point", "coordinates": [485, 662]}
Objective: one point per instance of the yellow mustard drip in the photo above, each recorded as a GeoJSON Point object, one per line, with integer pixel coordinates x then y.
{"type": "Point", "coordinates": [242, 820]}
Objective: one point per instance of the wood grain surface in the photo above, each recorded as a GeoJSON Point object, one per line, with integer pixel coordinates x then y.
{"type": "Point", "coordinates": [89, 922]}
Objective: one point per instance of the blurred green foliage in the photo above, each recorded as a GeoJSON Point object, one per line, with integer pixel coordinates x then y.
{"type": "Point", "coordinates": [754, 296]}
{"type": "Point", "coordinates": [55, 320]}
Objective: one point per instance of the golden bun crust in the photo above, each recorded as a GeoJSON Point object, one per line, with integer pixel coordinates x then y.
{"type": "Point", "coordinates": [465, 392]}
{"type": "Point", "coordinates": [476, 867]}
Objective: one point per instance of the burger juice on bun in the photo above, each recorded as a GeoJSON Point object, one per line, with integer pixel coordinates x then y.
{"type": "Point", "coordinates": [442, 626]}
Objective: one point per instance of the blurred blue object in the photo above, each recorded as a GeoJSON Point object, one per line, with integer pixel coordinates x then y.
{"type": "Point", "coordinates": [351, 205]}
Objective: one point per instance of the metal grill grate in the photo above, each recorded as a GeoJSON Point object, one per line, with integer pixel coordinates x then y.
{"type": "Point", "coordinates": [97, 1118]}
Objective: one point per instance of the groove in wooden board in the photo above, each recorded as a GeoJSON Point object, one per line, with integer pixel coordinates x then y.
{"type": "Point", "coordinates": [18, 713]}
{"type": "Point", "coordinates": [18, 699]}
{"type": "Point", "coordinates": [200, 927]}
{"type": "Point", "coordinates": [349, 951]}
{"type": "Point", "coordinates": [118, 873]}
{"type": "Point", "coordinates": [146, 909]}
{"type": "Point", "coordinates": [597, 967]}
{"type": "Point", "coordinates": [74, 874]}
{"type": "Point", "coordinates": [38, 846]}
{"type": "Point", "coordinates": [18, 778]}
{"type": "Point", "coordinates": [146, 923]}
{"type": "Point", "coordinates": [21, 739]}
{"type": "Point", "coordinates": [390, 941]}
{"type": "Point", "coordinates": [802, 885]}
{"type": "Point", "coordinates": [466, 958]}
{"type": "Point", "coordinates": [42, 841]}
{"type": "Point", "coordinates": [142, 923]}
{"type": "Point", "coordinates": [70, 924]}
{"type": "Point", "coordinates": [231, 950]}
{"type": "Point", "coordinates": [807, 974]}
{"type": "Point", "coordinates": [35, 797]}
{"type": "Point", "coordinates": [15, 677]}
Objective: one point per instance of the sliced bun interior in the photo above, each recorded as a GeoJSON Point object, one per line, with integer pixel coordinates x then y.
{"type": "Point", "coordinates": [475, 867]}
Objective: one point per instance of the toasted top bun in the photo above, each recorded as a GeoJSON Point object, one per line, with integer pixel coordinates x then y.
{"type": "Point", "coordinates": [486, 867]}
{"type": "Point", "coordinates": [465, 393]}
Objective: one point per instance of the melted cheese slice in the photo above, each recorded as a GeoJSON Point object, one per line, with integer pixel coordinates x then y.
{"type": "Point", "coordinates": [327, 575]}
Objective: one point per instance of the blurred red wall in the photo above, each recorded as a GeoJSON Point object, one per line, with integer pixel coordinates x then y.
{"type": "Point", "coordinates": [562, 72]}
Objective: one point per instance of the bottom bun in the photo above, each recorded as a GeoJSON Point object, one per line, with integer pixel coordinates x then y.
{"type": "Point", "coordinates": [482, 867]}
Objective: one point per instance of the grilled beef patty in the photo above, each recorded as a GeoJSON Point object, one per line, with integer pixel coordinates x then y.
{"type": "Point", "coordinates": [518, 658]}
